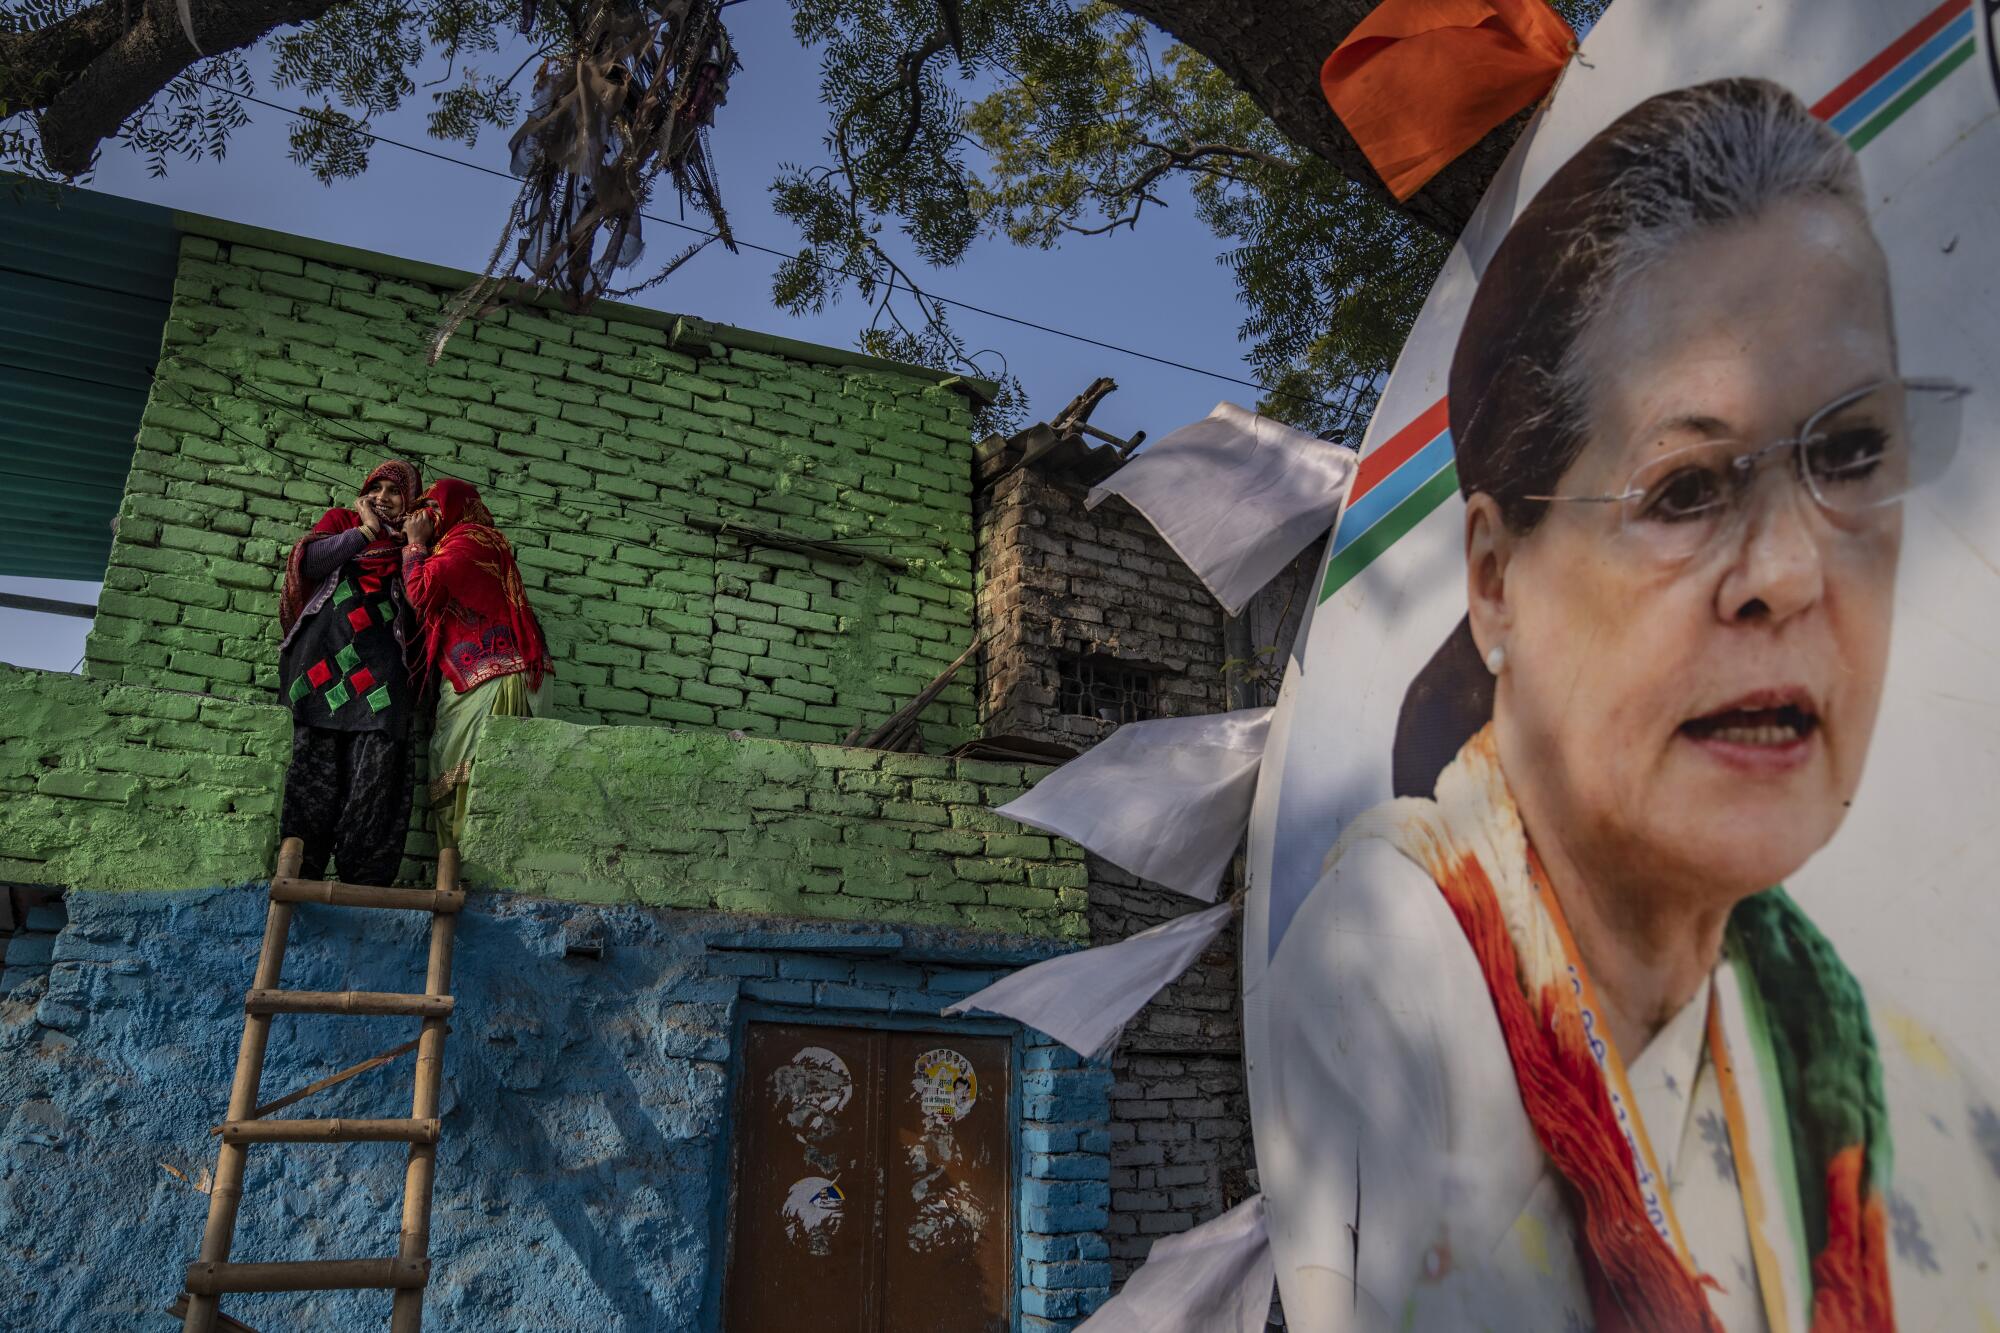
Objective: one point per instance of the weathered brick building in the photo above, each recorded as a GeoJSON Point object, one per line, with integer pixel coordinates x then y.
{"type": "Point", "coordinates": [684, 878]}
{"type": "Point", "coordinates": [1092, 621]}
{"type": "Point", "coordinates": [741, 548]}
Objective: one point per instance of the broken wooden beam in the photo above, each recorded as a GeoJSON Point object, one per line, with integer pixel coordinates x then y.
{"type": "Point", "coordinates": [902, 724]}
{"type": "Point", "coordinates": [751, 534]}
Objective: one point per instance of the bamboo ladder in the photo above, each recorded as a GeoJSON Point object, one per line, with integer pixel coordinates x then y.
{"type": "Point", "coordinates": [212, 1274]}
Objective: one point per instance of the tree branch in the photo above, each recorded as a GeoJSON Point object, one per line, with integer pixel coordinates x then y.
{"type": "Point", "coordinates": [1181, 159]}
{"type": "Point", "coordinates": [911, 71]}
{"type": "Point", "coordinates": [33, 63]}
{"type": "Point", "coordinates": [85, 90]}
{"type": "Point", "coordinates": [1273, 49]}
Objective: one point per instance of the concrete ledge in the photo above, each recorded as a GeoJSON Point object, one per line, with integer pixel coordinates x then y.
{"type": "Point", "coordinates": [106, 786]}
{"type": "Point", "coordinates": [702, 820]}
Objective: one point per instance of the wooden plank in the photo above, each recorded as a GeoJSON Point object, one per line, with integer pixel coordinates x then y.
{"type": "Point", "coordinates": [902, 723]}
{"type": "Point", "coordinates": [212, 1279]}
{"type": "Point", "coordinates": [263, 1001]}
{"type": "Point", "coordinates": [223, 1323]}
{"type": "Point", "coordinates": [321, 1085]}
{"type": "Point", "coordinates": [330, 1131]}
{"type": "Point", "coordinates": [407, 1316]}
{"type": "Point", "coordinates": [334, 892]}
{"type": "Point", "coordinates": [226, 1194]}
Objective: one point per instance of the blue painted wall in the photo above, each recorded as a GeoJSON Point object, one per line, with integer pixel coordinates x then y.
{"type": "Point", "coordinates": [583, 1173]}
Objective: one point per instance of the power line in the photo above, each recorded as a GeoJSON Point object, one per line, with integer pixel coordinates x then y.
{"type": "Point", "coordinates": [348, 126]}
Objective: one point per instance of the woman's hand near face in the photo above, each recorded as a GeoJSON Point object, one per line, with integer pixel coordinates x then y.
{"type": "Point", "coordinates": [372, 521]}
{"type": "Point", "coordinates": [419, 528]}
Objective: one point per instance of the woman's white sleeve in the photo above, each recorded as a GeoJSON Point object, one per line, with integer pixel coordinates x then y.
{"type": "Point", "coordinates": [1353, 1135]}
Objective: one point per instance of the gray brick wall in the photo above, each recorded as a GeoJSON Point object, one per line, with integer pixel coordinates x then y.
{"type": "Point", "coordinates": [1180, 1114]}
{"type": "Point", "coordinates": [1056, 578]}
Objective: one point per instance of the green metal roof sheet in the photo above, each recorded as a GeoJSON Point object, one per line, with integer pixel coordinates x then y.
{"type": "Point", "coordinates": [85, 280]}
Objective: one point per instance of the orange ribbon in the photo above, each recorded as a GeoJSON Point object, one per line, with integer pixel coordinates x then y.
{"type": "Point", "coordinates": [1420, 81]}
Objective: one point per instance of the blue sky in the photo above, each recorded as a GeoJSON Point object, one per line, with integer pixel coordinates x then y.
{"type": "Point", "coordinates": [1159, 290]}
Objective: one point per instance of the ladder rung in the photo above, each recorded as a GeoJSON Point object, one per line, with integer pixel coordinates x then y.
{"type": "Point", "coordinates": [345, 1002]}
{"type": "Point", "coordinates": [211, 1279]}
{"type": "Point", "coordinates": [365, 895]}
{"type": "Point", "coordinates": [330, 1131]}
{"type": "Point", "coordinates": [223, 1323]}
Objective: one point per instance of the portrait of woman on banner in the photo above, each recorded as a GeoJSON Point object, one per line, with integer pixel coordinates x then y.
{"type": "Point", "coordinates": [1570, 1055]}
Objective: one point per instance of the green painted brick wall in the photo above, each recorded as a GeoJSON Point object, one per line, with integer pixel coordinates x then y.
{"type": "Point", "coordinates": [283, 379]}
{"type": "Point", "coordinates": [682, 819]}
{"type": "Point", "coordinates": [116, 787]}
{"type": "Point", "coordinates": [106, 786]}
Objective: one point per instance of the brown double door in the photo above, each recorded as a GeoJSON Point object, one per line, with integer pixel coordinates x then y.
{"type": "Point", "coordinates": [873, 1183]}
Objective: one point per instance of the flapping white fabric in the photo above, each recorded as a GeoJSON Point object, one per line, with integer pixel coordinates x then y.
{"type": "Point", "coordinates": [1167, 800]}
{"type": "Point", "coordinates": [1216, 1278]}
{"type": "Point", "coordinates": [1237, 495]}
{"type": "Point", "coordinates": [1085, 999]}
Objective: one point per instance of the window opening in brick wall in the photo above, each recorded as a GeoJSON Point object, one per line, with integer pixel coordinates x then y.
{"type": "Point", "coordinates": [1094, 685]}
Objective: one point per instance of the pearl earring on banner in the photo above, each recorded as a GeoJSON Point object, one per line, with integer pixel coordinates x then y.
{"type": "Point", "coordinates": [1496, 659]}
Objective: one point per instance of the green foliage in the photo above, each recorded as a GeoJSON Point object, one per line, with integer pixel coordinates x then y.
{"type": "Point", "coordinates": [192, 118]}
{"type": "Point", "coordinates": [1087, 124]}
{"type": "Point", "coordinates": [891, 76]}
{"type": "Point", "coordinates": [363, 54]}
{"type": "Point", "coordinates": [1330, 278]}
{"type": "Point", "coordinates": [195, 117]}
{"type": "Point", "coordinates": [358, 59]}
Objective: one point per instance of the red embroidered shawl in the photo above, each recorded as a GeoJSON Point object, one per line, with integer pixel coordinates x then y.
{"type": "Point", "coordinates": [467, 592]}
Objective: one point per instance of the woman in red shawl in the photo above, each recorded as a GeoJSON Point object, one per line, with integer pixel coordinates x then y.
{"type": "Point", "coordinates": [346, 625]}
{"type": "Point", "coordinates": [479, 634]}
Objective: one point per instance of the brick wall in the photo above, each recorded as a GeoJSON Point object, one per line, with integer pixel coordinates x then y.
{"type": "Point", "coordinates": [119, 788]}
{"type": "Point", "coordinates": [1180, 1111]}
{"type": "Point", "coordinates": [116, 787]}
{"type": "Point", "coordinates": [285, 378]}
{"type": "Point", "coordinates": [675, 819]}
{"type": "Point", "coordinates": [1056, 578]}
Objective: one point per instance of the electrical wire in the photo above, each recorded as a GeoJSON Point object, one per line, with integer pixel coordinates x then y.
{"type": "Point", "coordinates": [348, 126]}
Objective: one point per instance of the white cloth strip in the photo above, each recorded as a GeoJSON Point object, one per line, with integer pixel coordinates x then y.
{"type": "Point", "coordinates": [1167, 800]}
{"type": "Point", "coordinates": [1237, 495]}
{"type": "Point", "coordinates": [1215, 1278]}
{"type": "Point", "coordinates": [1085, 999]}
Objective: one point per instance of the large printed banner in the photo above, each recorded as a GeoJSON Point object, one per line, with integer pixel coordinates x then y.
{"type": "Point", "coordinates": [1863, 733]}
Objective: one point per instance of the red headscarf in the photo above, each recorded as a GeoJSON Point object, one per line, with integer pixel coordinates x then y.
{"type": "Point", "coordinates": [468, 593]}
{"type": "Point", "coordinates": [378, 559]}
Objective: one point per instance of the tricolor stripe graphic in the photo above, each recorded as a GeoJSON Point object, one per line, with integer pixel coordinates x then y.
{"type": "Point", "coordinates": [1394, 488]}
{"type": "Point", "coordinates": [1895, 80]}
{"type": "Point", "coordinates": [1412, 473]}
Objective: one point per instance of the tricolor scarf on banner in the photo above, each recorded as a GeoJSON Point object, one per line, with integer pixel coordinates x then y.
{"type": "Point", "coordinates": [1471, 842]}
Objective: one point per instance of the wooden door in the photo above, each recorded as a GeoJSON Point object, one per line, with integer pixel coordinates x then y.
{"type": "Point", "coordinates": [873, 1183]}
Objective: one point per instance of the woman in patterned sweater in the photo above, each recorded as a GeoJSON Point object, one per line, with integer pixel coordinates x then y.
{"type": "Point", "coordinates": [346, 627]}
